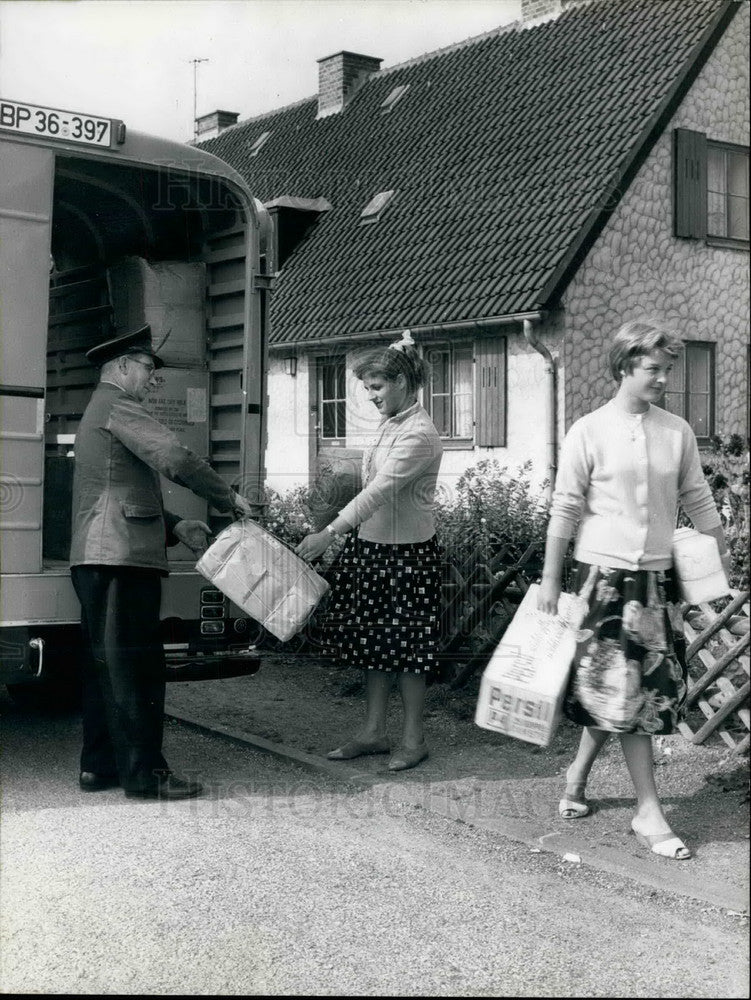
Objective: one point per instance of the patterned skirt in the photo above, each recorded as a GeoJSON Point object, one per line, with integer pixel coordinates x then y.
{"type": "Point", "coordinates": [385, 606]}
{"type": "Point", "coordinates": [629, 673]}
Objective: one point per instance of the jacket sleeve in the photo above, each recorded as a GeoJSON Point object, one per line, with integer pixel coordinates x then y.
{"type": "Point", "coordinates": [410, 455]}
{"type": "Point", "coordinates": [694, 494]}
{"type": "Point", "coordinates": [159, 448]}
{"type": "Point", "coordinates": [571, 485]}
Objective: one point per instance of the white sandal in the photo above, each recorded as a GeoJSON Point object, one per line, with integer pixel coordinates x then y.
{"type": "Point", "coordinates": [665, 845]}
{"type": "Point", "coordinates": [573, 808]}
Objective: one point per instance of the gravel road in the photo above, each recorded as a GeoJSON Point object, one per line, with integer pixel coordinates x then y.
{"type": "Point", "coordinates": [284, 882]}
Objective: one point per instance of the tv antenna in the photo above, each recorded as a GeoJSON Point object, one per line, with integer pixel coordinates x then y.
{"type": "Point", "coordinates": [195, 93]}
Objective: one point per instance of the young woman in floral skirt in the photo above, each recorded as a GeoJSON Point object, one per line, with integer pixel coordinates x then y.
{"type": "Point", "coordinates": [624, 470]}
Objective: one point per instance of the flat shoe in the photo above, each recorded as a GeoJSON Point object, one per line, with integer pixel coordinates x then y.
{"type": "Point", "coordinates": [406, 757]}
{"type": "Point", "coordinates": [91, 781]}
{"type": "Point", "coordinates": [666, 845]}
{"type": "Point", "coordinates": [168, 786]}
{"type": "Point", "coordinates": [360, 748]}
{"type": "Point", "coordinates": [573, 808]}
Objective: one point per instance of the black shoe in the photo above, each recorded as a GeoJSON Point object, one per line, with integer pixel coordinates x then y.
{"type": "Point", "coordinates": [89, 781]}
{"type": "Point", "coordinates": [167, 786]}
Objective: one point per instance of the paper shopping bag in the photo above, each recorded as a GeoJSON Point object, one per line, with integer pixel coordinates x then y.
{"type": "Point", "coordinates": [522, 687]}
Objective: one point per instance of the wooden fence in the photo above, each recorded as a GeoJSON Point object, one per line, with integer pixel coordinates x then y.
{"type": "Point", "coordinates": [481, 597]}
{"type": "Point", "coordinates": [719, 668]}
{"type": "Point", "coordinates": [480, 600]}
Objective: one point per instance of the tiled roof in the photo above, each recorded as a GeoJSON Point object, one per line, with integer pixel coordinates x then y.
{"type": "Point", "coordinates": [506, 154]}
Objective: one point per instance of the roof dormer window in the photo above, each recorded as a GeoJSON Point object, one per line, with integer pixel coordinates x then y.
{"type": "Point", "coordinates": [375, 207]}
{"type": "Point", "coordinates": [259, 143]}
{"type": "Point", "coordinates": [394, 97]}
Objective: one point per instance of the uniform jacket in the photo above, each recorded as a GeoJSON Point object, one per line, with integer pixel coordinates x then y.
{"type": "Point", "coordinates": [395, 506]}
{"type": "Point", "coordinates": [118, 513]}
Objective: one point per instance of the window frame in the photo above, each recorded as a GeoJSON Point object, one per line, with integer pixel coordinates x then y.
{"type": "Point", "coordinates": [711, 238]}
{"type": "Point", "coordinates": [691, 187]}
{"type": "Point", "coordinates": [689, 347]}
{"type": "Point", "coordinates": [339, 440]}
{"type": "Point", "coordinates": [451, 440]}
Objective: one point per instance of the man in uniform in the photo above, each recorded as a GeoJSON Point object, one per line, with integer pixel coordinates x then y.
{"type": "Point", "coordinates": [118, 558]}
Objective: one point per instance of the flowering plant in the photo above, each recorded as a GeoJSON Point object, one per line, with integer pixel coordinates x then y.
{"type": "Point", "coordinates": [726, 466]}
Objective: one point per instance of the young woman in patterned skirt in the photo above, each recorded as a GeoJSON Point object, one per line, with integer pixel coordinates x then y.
{"type": "Point", "coordinates": [386, 584]}
{"type": "Point", "coordinates": [623, 471]}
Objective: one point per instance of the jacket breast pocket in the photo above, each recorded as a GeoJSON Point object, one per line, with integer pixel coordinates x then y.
{"type": "Point", "coordinates": [139, 511]}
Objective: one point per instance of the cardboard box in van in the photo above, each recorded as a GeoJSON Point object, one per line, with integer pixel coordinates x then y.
{"type": "Point", "coordinates": [170, 296]}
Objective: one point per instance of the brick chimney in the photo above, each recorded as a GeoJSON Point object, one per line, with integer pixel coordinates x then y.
{"type": "Point", "coordinates": [339, 76]}
{"type": "Point", "coordinates": [539, 11]}
{"type": "Point", "coordinates": [209, 126]}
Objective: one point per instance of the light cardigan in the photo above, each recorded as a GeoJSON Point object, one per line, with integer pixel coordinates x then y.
{"type": "Point", "coordinates": [400, 469]}
{"type": "Point", "coordinates": [625, 474]}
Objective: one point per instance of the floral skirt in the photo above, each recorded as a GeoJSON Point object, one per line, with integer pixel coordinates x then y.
{"type": "Point", "coordinates": [385, 606]}
{"type": "Point", "coordinates": [629, 673]}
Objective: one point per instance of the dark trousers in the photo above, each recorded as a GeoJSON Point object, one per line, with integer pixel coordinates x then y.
{"type": "Point", "coordinates": [123, 673]}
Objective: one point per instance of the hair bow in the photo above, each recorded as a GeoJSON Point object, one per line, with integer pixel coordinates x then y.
{"type": "Point", "coordinates": [406, 341]}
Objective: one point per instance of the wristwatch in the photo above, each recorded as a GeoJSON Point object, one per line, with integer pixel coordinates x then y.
{"type": "Point", "coordinates": [332, 532]}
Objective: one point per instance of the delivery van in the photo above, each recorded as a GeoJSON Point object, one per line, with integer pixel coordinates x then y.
{"type": "Point", "coordinates": [102, 229]}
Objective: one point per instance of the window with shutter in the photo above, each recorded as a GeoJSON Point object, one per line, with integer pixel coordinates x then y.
{"type": "Point", "coordinates": [466, 391]}
{"type": "Point", "coordinates": [710, 189]}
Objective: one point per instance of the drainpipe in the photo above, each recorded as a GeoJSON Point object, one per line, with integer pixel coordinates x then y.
{"type": "Point", "coordinates": [550, 407]}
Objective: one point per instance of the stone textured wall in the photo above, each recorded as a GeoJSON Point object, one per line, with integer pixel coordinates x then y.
{"type": "Point", "coordinates": [637, 266]}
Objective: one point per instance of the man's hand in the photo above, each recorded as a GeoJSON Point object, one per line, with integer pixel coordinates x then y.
{"type": "Point", "coordinates": [194, 534]}
{"type": "Point", "coordinates": [240, 506]}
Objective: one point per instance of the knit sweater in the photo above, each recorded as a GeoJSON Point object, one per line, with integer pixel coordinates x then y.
{"type": "Point", "coordinates": [623, 475]}
{"type": "Point", "coordinates": [400, 469]}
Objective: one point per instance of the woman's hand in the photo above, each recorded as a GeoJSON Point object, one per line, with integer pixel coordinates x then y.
{"type": "Point", "coordinates": [547, 598]}
{"type": "Point", "coordinates": [313, 546]}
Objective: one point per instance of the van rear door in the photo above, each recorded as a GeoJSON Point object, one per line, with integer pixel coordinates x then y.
{"type": "Point", "coordinates": [25, 228]}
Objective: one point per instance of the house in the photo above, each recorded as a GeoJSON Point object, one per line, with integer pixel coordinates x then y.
{"type": "Point", "coordinates": [510, 200]}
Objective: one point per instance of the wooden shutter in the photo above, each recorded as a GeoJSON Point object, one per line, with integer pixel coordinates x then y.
{"type": "Point", "coordinates": [689, 183]}
{"type": "Point", "coordinates": [490, 379]}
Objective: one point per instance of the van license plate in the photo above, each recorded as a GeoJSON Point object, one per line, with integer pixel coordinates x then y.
{"type": "Point", "coordinates": [50, 123]}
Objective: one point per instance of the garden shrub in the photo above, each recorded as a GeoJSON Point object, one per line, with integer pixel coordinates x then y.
{"type": "Point", "coordinates": [491, 509]}
{"type": "Point", "coordinates": [291, 515]}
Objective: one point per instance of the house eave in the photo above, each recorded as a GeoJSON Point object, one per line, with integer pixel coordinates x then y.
{"type": "Point", "coordinates": [419, 332]}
